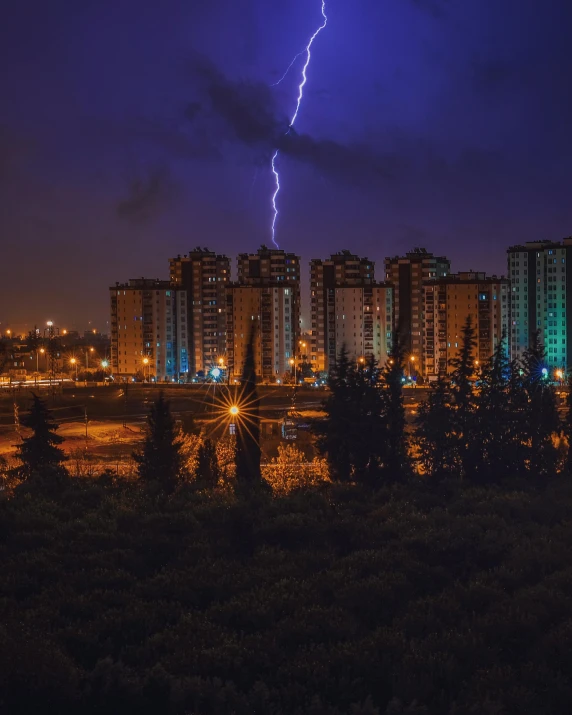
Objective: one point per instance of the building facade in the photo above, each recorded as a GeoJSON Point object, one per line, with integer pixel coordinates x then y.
{"type": "Point", "coordinates": [148, 336]}
{"type": "Point", "coordinates": [268, 312]}
{"type": "Point", "coordinates": [408, 275]}
{"type": "Point", "coordinates": [343, 270]}
{"type": "Point", "coordinates": [448, 302]}
{"type": "Point", "coordinates": [362, 321]}
{"type": "Point", "coordinates": [203, 276]}
{"type": "Point", "coordinates": [540, 274]}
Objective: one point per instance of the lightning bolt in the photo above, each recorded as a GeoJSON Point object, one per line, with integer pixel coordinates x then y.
{"type": "Point", "coordinates": [275, 84]}
{"type": "Point", "coordinates": [307, 51]}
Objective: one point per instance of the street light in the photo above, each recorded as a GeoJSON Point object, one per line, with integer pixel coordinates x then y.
{"type": "Point", "coordinates": [73, 361]}
{"type": "Point", "coordinates": [146, 362]}
{"type": "Point", "coordinates": [293, 363]}
{"type": "Point", "coordinates": [233, 410]}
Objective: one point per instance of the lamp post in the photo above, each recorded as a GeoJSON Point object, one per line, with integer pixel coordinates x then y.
{"type": "Point", "coordinates": [73, 362]}
{"type": "Point", "coordinates": [411, 366]}
{"type": "Point", "coordinates": [293, 364]}
{"type": "Point", "coordinates": [146, 363]}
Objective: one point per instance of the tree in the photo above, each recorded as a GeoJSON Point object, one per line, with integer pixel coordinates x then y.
{"type": "Point", "coordinates": [40, 454]}
{"type": "Point", "coordinates": [540, 419]}
{"type": "Point", "coordinates": [463, 393]}
{"type": "Point", "coordinates": [495, 420]}
{"type": "Point", "coordinates": [435, 433]}
{"type": "Point", "coordinates": [208, 471]}
{"type": "Point", "coordinates": [567, 426]}
{"type": "Point", "coordinates": [159, 462]}
{"type": "Point", "coordinates": [396, 451]}
{"type": "Point", "coordinates": [341, 436]}
{"type": "Point", "coordinates": [247, 456]}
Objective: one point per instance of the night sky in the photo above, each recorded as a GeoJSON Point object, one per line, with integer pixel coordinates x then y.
{"type": "Point", "coordinates": [133, 131]}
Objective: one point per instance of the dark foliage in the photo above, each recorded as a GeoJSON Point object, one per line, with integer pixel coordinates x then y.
{"type": "Point", "coordinates": [396, 459]}
{"type": "Point", "coordinates": [404, 600]}
{"type": "Point", "coordinates": [540, 416]}
{"type": "Point", "coordinates": [159, 462]}
{"type": "Point", "coordinates": [208, 472]}
{"type": "Point", "coordinates": [464, 400]}
{"type": "Point", "coordinates": [436, 433]}
{"type": "Point", "coordinates": [248, 425]}
{"type": "Point", "coordinates": [42, 459]}
{"type": "Point", "coordinates": [567, 426]}
{"type": "Point", "coordinates": [364, 436]}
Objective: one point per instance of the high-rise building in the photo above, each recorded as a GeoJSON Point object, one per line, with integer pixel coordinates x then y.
{"type": "Point", "coordinates": [273, 266]}
{"type": "Point", "coordinates": [203, 275]}
{"type": "Point", "coordinates": [448, 302]}
{"type": "Point", "coordinates": [269, 311]}
{"type": "Point", "coordinates": [148, 330]}
{"type": "Point", "coordinates": [408, 274]}
{"type": "Point", "coordinates": [540, 274]}
{"type": "Point", "coordinates": [348, 308]}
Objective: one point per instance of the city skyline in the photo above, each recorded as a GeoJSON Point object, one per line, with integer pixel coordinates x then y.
{"type": "Point", "coordinates": [145, 133]}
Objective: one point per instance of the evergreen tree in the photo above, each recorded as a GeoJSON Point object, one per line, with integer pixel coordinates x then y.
{"type": "Point", "coordinates": [462, 389]}
{"type": "Point", "coordinates": [495, 421]}
{"type": "Point", "coordinates": [567, 426]}
{"type": "Point", "coordinates": [247, 457]}
{"type": "Point", "coordinates": [367, 427]}
{"type": "Point", "coordinates": [334, 433]}
{"type": "Point", "coordinates": [435, 433]}
{"type": "Point", "coordinates": [540, 414]}
{"type": "Point", "coordinates": [395, 448]}
{"type": "Point", "coordinates": [41, 457]}
{"type": "Point", "coordinates": [159, 462]}
{"type": "Point", "coordinates": [208, 471]}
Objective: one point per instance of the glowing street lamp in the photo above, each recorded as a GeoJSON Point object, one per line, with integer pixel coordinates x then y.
{"type": "Point", "coordinates": [146, 363]}
{"type": "Point", "coordinates": [293, 364]}
{"type": "Point", "coordinates": [104, 364]}
{"type": "Point", "coordinates": [544, 372]}
{"type": "Point", "coordinates": [233, 410]}
{"type": "Point", "coordinates": [73, 362]}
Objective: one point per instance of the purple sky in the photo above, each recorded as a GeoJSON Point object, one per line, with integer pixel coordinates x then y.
{"type": "Point", "coordinates": [130, 132]}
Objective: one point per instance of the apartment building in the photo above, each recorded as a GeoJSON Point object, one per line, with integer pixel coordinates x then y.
{"type": "Point", "coordinates": [408, 275]}
{"type": "Point", "coordinates": [148, 330]}
{"type": "Point", "coordinates": [362, 321]}
{"type": "Point", "coordinates": [448, 302]}
{"type": "Point", "coordinates": [540, 275]}
{"type": "Point", "coordinates": [328, 279]}
{"type": "Point", "coordinates": [203, 276]}
{"type": "Point", "coordinates": [270, 311]}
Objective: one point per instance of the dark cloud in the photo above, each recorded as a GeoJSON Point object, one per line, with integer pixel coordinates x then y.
{"type": "Point", "coordinates": [492, 76]}
{"type": "Point", "coordinates": [247, 113]}
{"type": "Point", "coordinates": [436, 8]}
{"type": "Point", "coordinates": [148, 196]}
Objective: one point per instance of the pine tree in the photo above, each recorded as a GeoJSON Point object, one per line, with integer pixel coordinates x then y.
{"type": "Point", "coordinates": [247, 456]}
{"type": "Point", "coordinates": [41, 457]}
{"type": "Point", "coordinates": [435, 433]}
{"type": "Point", "coordinates": [494, 428]}
{"type": "Point", "coordinates": [462, 388]}
{"type": "Point", "coordinates": [396, 451]}
{"type": "Point", "coordinates": [335, 432]}
{"type": "Point", "coordinates": [367, 424]}
{"type": "Point", "coordinates": [567, 426]}
{"type": "Point", "coordinates": [540, 418]}
{"type": "Point", "coordinates": [208, 471]}
{"type": "Point", "coordinates": [159, 462]}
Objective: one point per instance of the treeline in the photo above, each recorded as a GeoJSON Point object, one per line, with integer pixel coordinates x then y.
{"type": "Point", "coordinates": [482, 424]}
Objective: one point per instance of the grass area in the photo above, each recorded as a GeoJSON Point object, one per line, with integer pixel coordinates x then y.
{"type": "Point", "coordinates": [411, 600]}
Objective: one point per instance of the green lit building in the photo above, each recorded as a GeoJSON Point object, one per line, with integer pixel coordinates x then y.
{"type": "Point", "coordinates": [540, 273]}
